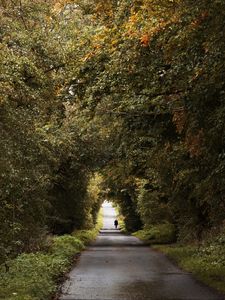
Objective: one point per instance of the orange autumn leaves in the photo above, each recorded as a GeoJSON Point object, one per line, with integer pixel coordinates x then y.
{"type": "Point", "coordinates": [145, 39]}
{"type": "Point", "coordinates": [148, 35]}
{"type": "Point", "coordinates": [200, 19]}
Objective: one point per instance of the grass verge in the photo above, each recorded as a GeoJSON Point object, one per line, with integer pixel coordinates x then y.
{"type": "Point", "coordinates": [35, 276]}
{"type": "Point", "coordinates": [206, 262]}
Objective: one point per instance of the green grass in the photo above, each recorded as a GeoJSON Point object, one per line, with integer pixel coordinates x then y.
{"type": "Point", "coordinates": [35, 276]}
{"type": "Point", "coordinates": [206, 262]}
{"type": "Point", "coordinates": [157, 234]}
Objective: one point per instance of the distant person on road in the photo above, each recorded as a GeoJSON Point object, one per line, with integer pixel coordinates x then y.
{"type": "Point", "coordinates": [116, 223]}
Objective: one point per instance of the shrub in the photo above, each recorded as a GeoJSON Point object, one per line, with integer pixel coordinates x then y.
{"type": "Point", "coordinates": [34, 276]}
{"type": "Point", "coordinates": [85, 235]}
{"type": "Point", "coordinates": [88, 235]}
{"type": "Point", "coordinates": [157, 234]}
{"type": "Point", "coordinates": [66, 246]}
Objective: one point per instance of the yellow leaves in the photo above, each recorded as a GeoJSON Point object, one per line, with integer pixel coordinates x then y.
{"type": "Point", "coordinates": [131, 26]}
{"type": "Point", "coordinates": [88, 56]}
{"type": "Point", "coordinates": [96, 49]}
{"type": "Point", "coordinates": [57, 8]}
{"type": "Point", "coordinates": [48, 20]}
{"type": "Point", "coordinates": [150, 28]}
{"type": "Point", "coordinates": [176, 18]}
{"type": "Point", "coordinates": [114, 42]}
{"type": "Point", "coordinates": [58, 90]}
{"type": "Point", "coordinates": [94, 187]}
{"type": "Point", "coordinates": [133, 19]}
{"type": "Point", "coordinates": [59, 4]}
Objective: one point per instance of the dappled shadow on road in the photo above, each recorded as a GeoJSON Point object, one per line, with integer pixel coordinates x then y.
{"type": "Point", "coordinates": [114, 238]}
{"type": "Point", "coordinates": [110, 231]}
{"type": "Point", "coordinates": [167, 287]}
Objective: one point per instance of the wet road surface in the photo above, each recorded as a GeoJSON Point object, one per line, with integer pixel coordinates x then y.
{"type": "Point", "coordinates": [120, 267]}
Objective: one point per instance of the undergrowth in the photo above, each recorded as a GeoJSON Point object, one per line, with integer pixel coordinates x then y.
{"type": "Point", "coordinates": [35, 276]}
{"type": "Point", "coordinates": [88, 235]}
{"type": "Point", "coordinates": [157, 234]}
{"type": "Point", "coordinates": [206, 261]}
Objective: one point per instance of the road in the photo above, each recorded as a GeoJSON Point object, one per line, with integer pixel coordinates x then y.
{"type": "Point", "coordinates": [120, 267]}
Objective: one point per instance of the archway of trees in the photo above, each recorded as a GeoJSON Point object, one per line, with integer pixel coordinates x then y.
{"type": "Point", "coordinates": [117, 99]}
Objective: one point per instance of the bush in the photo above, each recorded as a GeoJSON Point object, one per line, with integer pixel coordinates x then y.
{"type": "Point", "coordinates": [88, 235]}
{"type": "Point", "coordinates": [157, 234]}
{"type": "Point", "coordinates": [34, 276]}
{"type": "Point", "coordinates": [65, 246]}
{"type": "Point", "coordinates": [30, 277]}
{"type": "Point", "coordinates": [85, 235]}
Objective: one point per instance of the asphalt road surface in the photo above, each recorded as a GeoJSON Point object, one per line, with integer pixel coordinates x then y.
{"type": "Point", "coordinates": [120, 267]}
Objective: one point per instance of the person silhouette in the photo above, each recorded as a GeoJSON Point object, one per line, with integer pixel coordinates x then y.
{"type": "Point", "coordinates": [116, 223]}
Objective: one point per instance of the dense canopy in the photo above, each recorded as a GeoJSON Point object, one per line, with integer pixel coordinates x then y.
{"type": "Point", "coordinates": [121, 100]}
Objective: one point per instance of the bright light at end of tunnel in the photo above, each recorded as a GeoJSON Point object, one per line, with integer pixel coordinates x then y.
{"type": "Point", "coordinates": [106, 203]}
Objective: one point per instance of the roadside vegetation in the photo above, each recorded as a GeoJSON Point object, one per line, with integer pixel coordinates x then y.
{"type": "Point", "coordinates": [157, 234]}
{"type": "Point", "coordinates": [205, 261]}
{"type": "Point", "coordinates": [37, 276]}
{"type": "Point", "coordinates": [106, 99]}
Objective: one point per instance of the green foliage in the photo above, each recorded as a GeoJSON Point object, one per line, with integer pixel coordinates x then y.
{"type": "Point", "coordinates": [158, 234]}
{"type": "Point", "coordinates": [133, 90]}
{"type": "Point", "coordinates": [65, 245]}
{"type": "Point", "coordinates": [206, 261]}
{"type": "Point", "coordinates": [120, 219]}
{"type": "Point", "coordinates": [152, 204]}
{"type": "Point", "coordinates": [160, 80]}
{"type": "Point", "coordinates": [88, 235]}
{"type": "Point", "coordinates": [34, 276]}
{"type": "Point", "coordinates": [46, 157]}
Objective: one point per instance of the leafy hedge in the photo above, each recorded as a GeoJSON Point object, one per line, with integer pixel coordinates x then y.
{"type": "Point", "coordinates": [157, 234]}
{"type": "Point", "coordinates": [85, 236]}
{"type": "Point", "coordinates": [35, 276]}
